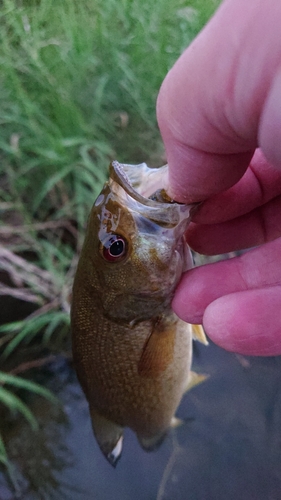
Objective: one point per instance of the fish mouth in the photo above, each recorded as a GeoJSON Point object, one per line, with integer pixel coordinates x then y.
{"type": "Point", "coordinates": [135, 185]}
{"type": "Point", "coordinates": [140, 179]}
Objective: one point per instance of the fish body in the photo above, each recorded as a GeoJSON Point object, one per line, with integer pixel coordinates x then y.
{"type": "Point", "coordinates": [132, 353]}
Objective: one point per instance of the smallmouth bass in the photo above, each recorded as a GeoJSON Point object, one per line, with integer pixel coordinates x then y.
{"type": "Point", "coordinates": [131, 352]}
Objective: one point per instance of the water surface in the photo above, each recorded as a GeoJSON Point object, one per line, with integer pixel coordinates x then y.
{"type": "Point", "coordinates": [228, 447]}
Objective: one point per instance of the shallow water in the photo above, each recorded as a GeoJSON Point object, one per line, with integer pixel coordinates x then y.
{"type": "Point", "coordinates": [229, 446]}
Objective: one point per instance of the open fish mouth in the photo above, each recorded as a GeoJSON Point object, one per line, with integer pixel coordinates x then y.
{"type": "Point", "coordinates": [140, 178]}
{"type": "Point", "coordinates": [143, 190]}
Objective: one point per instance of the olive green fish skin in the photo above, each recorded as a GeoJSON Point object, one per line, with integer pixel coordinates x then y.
{"type": "Point", "coordinates": [132, 353]}
{"type": "Point", "coordinates": [107, 366]}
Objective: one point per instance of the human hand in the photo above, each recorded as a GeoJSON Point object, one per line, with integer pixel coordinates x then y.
{"type": "Point", "coordinates": [220, 102]}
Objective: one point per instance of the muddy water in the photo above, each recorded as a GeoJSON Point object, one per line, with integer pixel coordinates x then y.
{"type": "Point", "coordinates": [229, 446]}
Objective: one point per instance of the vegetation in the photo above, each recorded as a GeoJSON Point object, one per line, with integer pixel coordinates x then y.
{"type": "Point", "coordinates": [78, 87]}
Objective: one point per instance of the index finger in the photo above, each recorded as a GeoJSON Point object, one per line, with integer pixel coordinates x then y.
{"type": "Point", "coordinates": [215, 104]}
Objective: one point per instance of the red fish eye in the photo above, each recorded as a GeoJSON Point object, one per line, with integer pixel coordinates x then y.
{"type": "Point", "coordinates": [114, 248]}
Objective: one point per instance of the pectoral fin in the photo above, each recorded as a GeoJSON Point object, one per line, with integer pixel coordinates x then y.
{"type": "Point", "coordinates": [158, 351]}
{"type": "Point", "coordinates": [199, 334]}
{"type": "Point", "coordinates": [109, 437]}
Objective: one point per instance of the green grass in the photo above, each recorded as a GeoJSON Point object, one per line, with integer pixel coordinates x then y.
{"type": "Point", "coordinates": [16, 405]}
{"type": "Point", "coordinates": [78, 87]}
{"type": "Point", "coordinates": [68, 71]}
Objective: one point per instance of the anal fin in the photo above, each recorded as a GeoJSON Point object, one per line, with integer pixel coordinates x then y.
{"type": "Point", "coordinates": [109, 437]}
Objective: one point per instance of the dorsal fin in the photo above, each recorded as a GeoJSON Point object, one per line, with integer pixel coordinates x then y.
{"type": "Point", "coordinates": [199, 334]}
{"type": "Point", "coordinates": [158, 351]}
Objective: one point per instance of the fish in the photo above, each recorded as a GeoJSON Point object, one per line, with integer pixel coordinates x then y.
{"type": "Point", "coordinates": [131, 352]}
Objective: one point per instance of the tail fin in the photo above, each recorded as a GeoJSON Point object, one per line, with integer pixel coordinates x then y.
{"type": "Point", "coordinates": [152, 443]}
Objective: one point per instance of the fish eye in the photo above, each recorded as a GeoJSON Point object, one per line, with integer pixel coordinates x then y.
{"type": "Point", "coordinates": [114, 248]}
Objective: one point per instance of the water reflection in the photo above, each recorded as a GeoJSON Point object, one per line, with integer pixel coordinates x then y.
{"type": "Point", "coordinates": [229, 446]}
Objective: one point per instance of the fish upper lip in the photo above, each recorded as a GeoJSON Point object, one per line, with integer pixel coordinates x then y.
{"type": "Point", "coordinates": [123, 186]}
{"type": "Point", "coordinates": [119, 175]}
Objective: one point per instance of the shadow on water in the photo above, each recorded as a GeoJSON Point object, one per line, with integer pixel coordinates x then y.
{"type": "Point", "coordinates": [229, 446]}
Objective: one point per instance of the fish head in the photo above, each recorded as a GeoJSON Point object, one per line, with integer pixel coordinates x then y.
{"type": "Point", "coordinates": [135, 250]}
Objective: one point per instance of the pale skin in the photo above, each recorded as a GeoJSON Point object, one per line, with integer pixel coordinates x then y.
{"type": "Point", "coordinates": [219, 113]}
